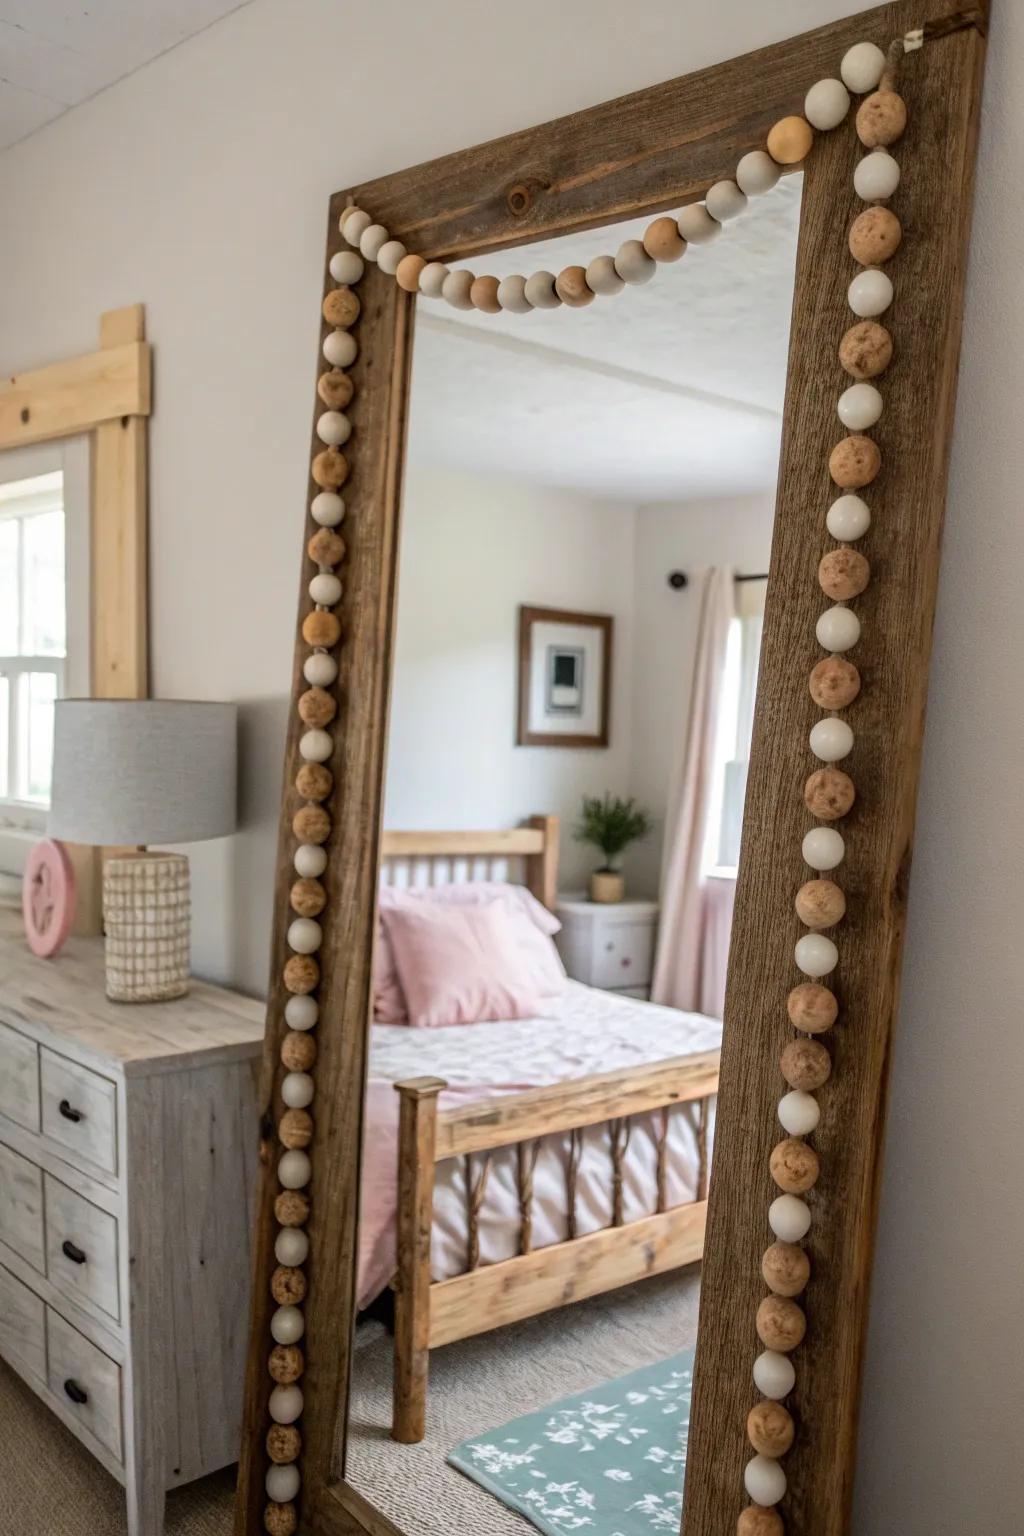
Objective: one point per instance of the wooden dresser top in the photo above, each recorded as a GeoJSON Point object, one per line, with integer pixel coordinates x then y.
{"type": "Point", "coordinates": [63, 1001]}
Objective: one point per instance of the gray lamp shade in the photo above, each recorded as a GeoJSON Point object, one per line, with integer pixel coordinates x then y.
{"type": "Point", "coordinates": [143, 771]}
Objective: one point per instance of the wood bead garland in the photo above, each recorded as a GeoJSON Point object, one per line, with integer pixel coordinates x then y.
{"type": "Point", "coordinates": [298, 1051]}
{"type": "Point", "coordinates": [881, 119]}
{"type": "Point", "coordinates": [756, 1520]}
{"type": "Point", "coordinates": [314, 782]}
{"type": "Point", "coordinates": [295, 1128]}
{"type": "Point", "coordinates": [311, 824]}
{"type": "Point", "coordinates": [662, 240]}
{"type": "Point", "coordinates": [335, 389]}
{"type": "Point", "coordinates": [286, 1363]}
{"type": "Point", "coordinates": [866, 350]}
{"type": "Point", "coordinates": [317, 707]}
{"type": "Point", "coordinates": [785, 1268]}
{"type": "Point", "coordinates": [820, 904]}
{"type": "Point", "coordinates": [812, 1008]}
{"type": "Point", "coordinates": [834, 683]}
{"type": "Point", "coordinates": [288, 1286]}
{"type": "Point", "coordinates": [854, 462]}
{"type": "Point", "coordinates": [571, 287]}
{"type": "Point", "coordinates": [409, 272]}
{"type": "Point", "coordinates": [806, 1065]}
{"type": "Point", "coordinates": [341, 308]}
{"type": "Point", "coordinates": [330, 469]}
{"type": "Point", "coordinates": [321, 628]}
{"type": "Point", "coordinates": [829, 794]}
{"type": "Point", "coordinates": [843, 574]}
{"type": "Point", "coordinates": [875, 236]}
{"type": "Point", "coordinates": [770, 1429]}
{"type": "Point", "coordinates": [483, 295]}
{"type": "Point", "coordinates": [308, 898]}
{"type": "Point", "coordinates": [781, 1324]}
{"type": "Point", "coordinates": [326, 547]}
{"type": "Point", "coordinates": [301, 974]}
{"type": "Point", "coordinates": [291, 1208]}
{"type": "Point", "coordinates": [280, 1520]}
{"type": "Point", "coordinates": [794, 1166]}
{"type": "Point", "coordinates": [790, 140]}
{"type": "Point", "coordinates": [283, 1443]}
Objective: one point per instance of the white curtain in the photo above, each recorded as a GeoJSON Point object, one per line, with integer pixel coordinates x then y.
{"type": "Point", "coordinates": [689, 967]}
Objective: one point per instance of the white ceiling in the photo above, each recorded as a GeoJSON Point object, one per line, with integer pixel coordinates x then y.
{"type": "Point", "coordinates": [55, 55]}
{"type": "Point", "coordinates": [668, 391]}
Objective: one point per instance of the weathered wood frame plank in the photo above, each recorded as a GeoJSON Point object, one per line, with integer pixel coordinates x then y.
{"type": "Point", "coordinates": [656, 149]}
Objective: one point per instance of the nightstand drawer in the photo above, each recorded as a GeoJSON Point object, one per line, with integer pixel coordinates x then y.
{"type": "Point", "coordinates": [623, 955]}
{"type": "Point", "coordinates": [22, 1327]}
{"type": "Point", "coordinates": [79, 1110]}
{"type": "Point", "coordinates": [21, 1208]}
{"type": "Point", "coordinates": [19, 1078]}
{"type": "Point", "coordinates": [81, 1248]}
{"type": "Point", "coordinates": [86, 1380]}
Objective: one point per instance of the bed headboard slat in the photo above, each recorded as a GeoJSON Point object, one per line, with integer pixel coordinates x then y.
{"type": "Point", "coordinates": [416, 859]}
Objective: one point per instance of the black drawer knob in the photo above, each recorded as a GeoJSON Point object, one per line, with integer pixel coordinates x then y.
{"type": "Point", "coordinates": [71, 1251]}
{"type": "Point", "coordinates": [68, 1112]}
{"type": "Point", "coordinates": [76, 1393]}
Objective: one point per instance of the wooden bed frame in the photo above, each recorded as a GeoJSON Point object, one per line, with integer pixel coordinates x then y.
{"type": "Point", "coordinates": [432, 1312]}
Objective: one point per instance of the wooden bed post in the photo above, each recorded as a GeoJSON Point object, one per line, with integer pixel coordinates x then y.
{"type": "Point", "coordinates": [417, 1133]}
{"type": "Point", "coordinates": [542, 868]}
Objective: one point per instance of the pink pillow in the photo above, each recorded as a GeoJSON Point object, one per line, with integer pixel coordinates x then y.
{"type": "Point", "coordinates": [458, 964]}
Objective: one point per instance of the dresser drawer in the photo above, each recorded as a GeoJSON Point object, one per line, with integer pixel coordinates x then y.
{"type": "Point", "coordinates": [81, 1248]}
{"type": "Point", "coordinates": [79, 1110]}
{"type": "Point", "coordinates": [86, 1380]}
{"type": "Point", "coordinates": [19, 1078]}
{"type": "Point", "coordinates": [623, 955]}
{"type": "Point", "coordinates": [22, 1327]}
{"type": "Point", "coordinates": [21, 1208]}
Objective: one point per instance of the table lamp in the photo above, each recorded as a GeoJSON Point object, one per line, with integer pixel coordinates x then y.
{"type": "Point", "coordinates": [144, 771]}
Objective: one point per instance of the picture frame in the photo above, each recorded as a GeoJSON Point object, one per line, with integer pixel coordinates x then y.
{"type": "Point", "coordinates": [564, 678]}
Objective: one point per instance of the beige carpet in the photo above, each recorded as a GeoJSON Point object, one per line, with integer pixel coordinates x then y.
{"type": "Point", "coordinates": [50, 1486]}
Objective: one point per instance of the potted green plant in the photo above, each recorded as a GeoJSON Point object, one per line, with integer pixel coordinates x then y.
{"type": "Point", "coordinates": [611, 824]}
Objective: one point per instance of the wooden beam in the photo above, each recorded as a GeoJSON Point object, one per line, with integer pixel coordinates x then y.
{"type": "Point", "coordinates": [74, 396]}
{"type": "Point", "coordinates": [414, 1227]}
{"type": "Point", "coordinates": [408, 845]}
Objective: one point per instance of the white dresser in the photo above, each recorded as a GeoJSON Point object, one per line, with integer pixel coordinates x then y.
{"type": "Point", "coordinates": [608, 945]}
{"type": "Point", "coordinates": [128, 1156]}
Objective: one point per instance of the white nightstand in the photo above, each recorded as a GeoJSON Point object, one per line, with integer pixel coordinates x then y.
{"type": "Point", "coordinates": [608, 945]}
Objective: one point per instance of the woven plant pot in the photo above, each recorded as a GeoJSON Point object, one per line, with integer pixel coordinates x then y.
{"type": "Point", "coordinates": [146, 914]}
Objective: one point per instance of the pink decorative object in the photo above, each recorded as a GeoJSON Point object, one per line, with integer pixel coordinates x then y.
{"type": "Point", "coordinates": [48, 897]}
{"type": "Point", "coordinates": [458, 965]}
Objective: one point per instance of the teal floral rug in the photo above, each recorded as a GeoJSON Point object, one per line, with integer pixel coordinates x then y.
{"type": "Point", "coordinates": [607, 1462]}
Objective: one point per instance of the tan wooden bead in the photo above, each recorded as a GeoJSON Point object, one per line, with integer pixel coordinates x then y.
{"type": "Point", "coordinates": [314, 781]}
{"type": "Point", "coordinates": [829, 793]}
{"type": "Point", "coordinates": [866, 350]}
{"type": "Point", "coordinates": [571, 287]}
{"type": "Point", "coordinates": [806, 1065]}
{"type": "Point", "coordinates": [794, 1166]}
{"type": "Point", "coordinates": [335, 389]}
{"type": "Point", "coordinates": [291, 1208]}
{"type": "Point", "coordinates": [317, 707]}
{"type": "Point", "coordinates": [407, 273]}
{"type": "Point", "coordinates": [881, 119]}
{"type": "Point", "coordinates": [288, 1286]}
{"type": "Point", "coordinates": [341, 308]}
{"type": "Point", "coordinates": [786, 1267]}
{"type": "Point", "coordinates": [286, 1363]}
{"type": "Point", "coordinates": [298, 1050]}
{"type": "Point", "coordinates": [284, 1443]}
{"type": "Point", "coordinates": [280, 1520]}
{"type": "Point", "coordinates": [483, 294]}
{"type": "Point", "coordinates": [301, 974]}
{"type": "Point", "coordinates": [843, 574]}
{"type": "Point", "coordinates": [321, 628]}
{"type": "Point", "coordinates": [781, 1324]}
{"type": "Point", "coordinates": [330, 469]}
{"type": "Point", "coordinates": [326, 547]}
{"type": "Point", "coordinates": [854, 462]}
{"type": "Point", "coordinates": [834, 683]}
{"type": "Point", "coordinates": [819, 904]}
{"type": "Point", "coordinates": [662, 240]}
{"type": "Point", "coordinates": [875, 236]}
{"type": "Point", "coordinates": [770, 1429]}
{"type": "Point", "coordinates": [790, 140]}
{"type": "Point", "coordinates": [311, 824]}
{"type": "Point", "coordinates": [295, 1129]}
{"type": "Point", "coordinates": [308, 898]}
{"type": "Point", "coordinates": [812, 1008]}
{"type": "Point", "coordinates": [756, 1520]}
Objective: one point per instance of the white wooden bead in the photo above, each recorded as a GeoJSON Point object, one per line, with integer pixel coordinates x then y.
{"type": "Point", "coordinates": [346, 268]}
{"type": "Point", "coordinates": [352, 223]}
{"type": "Point", "coordinates": [799, 1113]}
{"type": "Point", "coordinates": [815, 954]}
{"type": "Point", "coordinates": [877, 176]}
{"type": "Point", "coordinates": [389, 255]}
{"type": "Point", "coordinates": [297, 1089]}
{"type": "Point", "coordinates": [294, 1169]}
{"type": "Point", "coordinates": [823, 848]}
{"type": "Point", "coordinates": [455, 289]}
{"type": "Point", "coordinates": [432, 279]}
{"type": "Point", "coordinates": [764, 1480]}
{"type": "Point", "coordinates": [340, 348]}
{"type": "Point", "coordinates": [305, 935]}
{"type": "Point", "coordinates": [310, 860]}
{"type": "Point", "coordinates": [285, 1404]}
{"type": "Point", "coordinates": [327, 509]}
{"type": "Point", "coordinates": [859, 407]}
{"type": "Point", "coordinates": [725, 201]}
{"type": "Point", "coordinates": [838, 629]}
{"type": "Point", "coordinates": [696, 225]}
{"type": "Point", "coordinates": [757, 172]}
{"type": "Point", "coordinates": [826, 104]}
{"type": "Point", "coordinates": [540, 290]}
{"type": "Point", "coordinates": [325, 589]}
{"type": "Point", "coordinates": [333, 428]}
{"type": "Point", "coordinates": [862, 67]}
{"type": "Point", "coordinates": [848, 518]}
{"type": "Point", "coordinates": [282, 1482]}
{"type": "Point", "coordinates": [633, 264]}
{"type": "Point", "coordinates": [315, 746]}
{"type": "Point", "coordinates": [831, 739]}
{"type": "Point", "coordinates": [870, 293]}
{"type": "Point", "coordinates": [373, 240]}
{"type": "Point", "coordinates": [774, 1375]}
{"type": "Point", "coordinates": [302, 1011]}
{"type": "Point", "coordinates": [512, 295]}
{"type": "Point", "coordinates": [602, 277]}
{"type": "Point", "coordinates": [287, 1325]}
{"type": "Point", "coordinates": [291, 1247]}
{"type": "Point", "coordinates": [319, 669]}
{"type": "Point", "coordinates": [789, 1218]}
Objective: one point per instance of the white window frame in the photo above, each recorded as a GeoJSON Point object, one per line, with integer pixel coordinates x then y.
{"type": "Point", "coordinates": [736, 725]}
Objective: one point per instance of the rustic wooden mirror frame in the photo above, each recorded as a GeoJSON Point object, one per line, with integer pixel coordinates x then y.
{"type": "Point", "coordinates": [659, 149]}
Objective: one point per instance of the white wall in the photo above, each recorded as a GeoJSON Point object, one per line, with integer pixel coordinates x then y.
{"type": "Point", "coordinates": [472, 551]}
{"type": "Point", "coordinates": [199, 185]}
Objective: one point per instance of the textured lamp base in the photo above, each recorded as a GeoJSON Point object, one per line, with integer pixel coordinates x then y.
{"type": "Point", "coordinates": [146, 912]}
